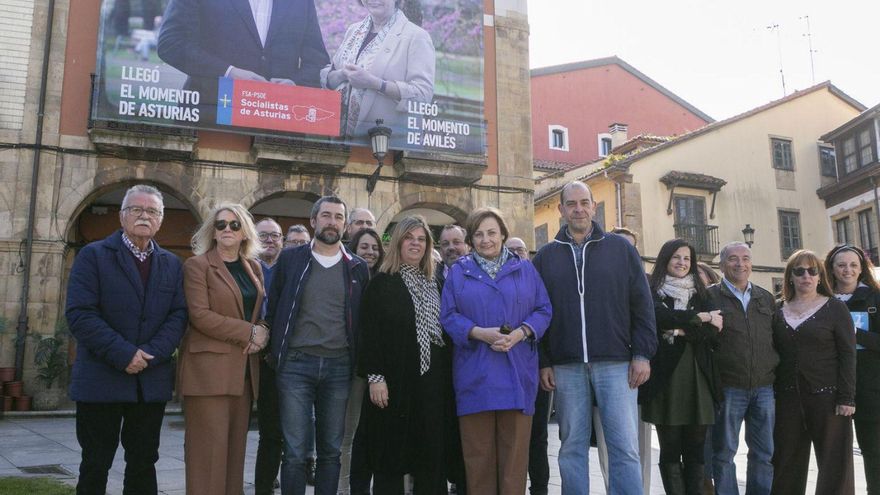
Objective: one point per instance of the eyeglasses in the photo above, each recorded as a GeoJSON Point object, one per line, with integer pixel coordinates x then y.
{"type": "Point", "coordinates": [235, 225]}
{"type": "Point", "coordinates": [264, 236]}
{"type": "Point", "coordinates": [137, 211]}
{"type": "Point", "coordinates": [799, 271]}
{"type": "Point", "coordinates": [296, 242]}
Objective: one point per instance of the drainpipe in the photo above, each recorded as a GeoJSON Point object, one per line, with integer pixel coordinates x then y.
{"type": "Point", "coordinates": [617, 189]}
{"type": "Point", "coordinates": [618, 199]}
{"type": "Point", "coordinates": [22, 327]}
{"type": "Point", "coordinates": [876, 200]}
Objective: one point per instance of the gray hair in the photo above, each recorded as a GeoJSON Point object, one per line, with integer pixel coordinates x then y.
{"type": "Point", "coordinates": [325, 199]}
{"type": "Point", "coordinates": [143, 189]}
{"type": "Point", "coordinates": [299, 228]}
{"type": "Point", "coordinates": [571, 185]}
{"type": "Point", "coordinates": [731, 246]}
{"type": "Point", "coordinates": [459, 228]}
{"type": "Point", "coordinates": [354, 211]}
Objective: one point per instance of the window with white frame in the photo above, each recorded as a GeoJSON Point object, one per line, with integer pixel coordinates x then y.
{"type": "Point", "coordinates": [558, 137]}
{"type": "Point", "coordinates": [604, 142]}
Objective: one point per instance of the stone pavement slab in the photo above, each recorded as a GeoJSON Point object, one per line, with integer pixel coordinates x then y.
{"type": "Point", "coordinates": [40, 441]}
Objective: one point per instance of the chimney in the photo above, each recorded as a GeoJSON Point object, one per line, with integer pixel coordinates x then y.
{"type": "Point", "coordinates": [618, 134]}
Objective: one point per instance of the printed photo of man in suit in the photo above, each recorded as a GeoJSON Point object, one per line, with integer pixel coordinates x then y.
{"type": "Point", "coordinates": [257, 40]}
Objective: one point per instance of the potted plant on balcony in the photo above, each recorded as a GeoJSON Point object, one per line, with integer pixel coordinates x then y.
{"type": "Point", "coordinates": [50, 359]}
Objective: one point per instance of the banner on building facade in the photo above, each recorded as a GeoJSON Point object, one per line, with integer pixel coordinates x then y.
{"type": "Point", "coordinates": [312, 69]}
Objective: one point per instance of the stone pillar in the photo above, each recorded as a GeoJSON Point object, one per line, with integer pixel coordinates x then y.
{"type": "Point", "coordinates": [514, 123]}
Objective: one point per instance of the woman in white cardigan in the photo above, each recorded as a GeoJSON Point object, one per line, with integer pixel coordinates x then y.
{"type": "Point", "coordinates": [384, 63]}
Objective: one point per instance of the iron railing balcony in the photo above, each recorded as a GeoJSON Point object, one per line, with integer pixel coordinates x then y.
{"type": "Point", "coordinates": [704, 238]}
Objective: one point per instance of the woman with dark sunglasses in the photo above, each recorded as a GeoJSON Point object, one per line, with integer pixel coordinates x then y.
{"type": "Point", "coordinates": [815, 382]}
{"type": "Point", "coordinates": [852, 280]}
{"type": "Point", "coordinates": [219, 365]}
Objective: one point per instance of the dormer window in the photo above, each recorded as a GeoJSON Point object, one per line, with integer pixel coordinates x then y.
{"type": "Point", "coordinates": [558, 136]}
{"type": "Point", "coordinates": [605, 145]}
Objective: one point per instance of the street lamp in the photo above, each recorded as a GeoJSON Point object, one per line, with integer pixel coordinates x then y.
{"type": "Point", "coordinates": [379, 142]}
{"type": "Point", "coordinates": [749, 235]}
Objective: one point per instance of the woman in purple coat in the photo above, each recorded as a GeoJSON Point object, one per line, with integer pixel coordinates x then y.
{"type": "Point", "coordinates": [495, 308]}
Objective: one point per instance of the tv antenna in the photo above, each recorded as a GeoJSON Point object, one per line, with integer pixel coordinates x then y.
{"type": "Point", "coordinates": [809, 36]}
{"type": "Point", "coordinates": [775, 27]}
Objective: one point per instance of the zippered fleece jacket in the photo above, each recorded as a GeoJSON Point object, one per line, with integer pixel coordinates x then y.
{"type": "Point", "coordinates": [602, 310]}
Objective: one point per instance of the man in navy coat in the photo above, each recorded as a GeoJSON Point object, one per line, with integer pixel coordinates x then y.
{"type": "Point", "coordinates": [126, 309]}
{"type": "Point", "coordinates": [257, 40]}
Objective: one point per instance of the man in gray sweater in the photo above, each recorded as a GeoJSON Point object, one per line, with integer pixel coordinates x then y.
{"type": "Point", "coordinates": [314, 302]}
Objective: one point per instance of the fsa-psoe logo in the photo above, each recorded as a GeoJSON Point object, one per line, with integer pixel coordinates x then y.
{"type": "Point", "coordinates": [311, 113]}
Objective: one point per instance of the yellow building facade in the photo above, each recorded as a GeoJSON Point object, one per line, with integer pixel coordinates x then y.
{"type": "Point", "coordinates": [760, 168]}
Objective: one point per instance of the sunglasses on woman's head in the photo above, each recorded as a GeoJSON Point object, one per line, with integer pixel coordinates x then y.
{"type": "Point", "coordinates": [799, 271]}
{"type": "Point", "coordinates": [235, 225]}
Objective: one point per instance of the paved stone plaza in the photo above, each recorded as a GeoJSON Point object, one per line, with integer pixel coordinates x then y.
{"type": "Point", "coordinates": [50, 442]}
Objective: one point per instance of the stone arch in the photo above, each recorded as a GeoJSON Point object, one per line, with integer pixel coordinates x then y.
{"type": "Point", "coordinates": [168, 177]}
{"type": "Point", "coordinates": [303, 195]}
{"type": "Point", "coordinates": [274, 185]}
{"type": "Point", "coordinates": [456, 206]}
{"type": "Point", "coordinates": [286, 207]}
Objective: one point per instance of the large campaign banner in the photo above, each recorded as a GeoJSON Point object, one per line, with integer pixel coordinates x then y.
{"type": "Point", "coordinates": [321, 70]}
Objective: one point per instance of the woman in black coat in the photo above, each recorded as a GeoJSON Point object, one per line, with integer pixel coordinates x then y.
{"type": "Point", "coordinates": [815, 382]}
{"type": "Point", "coordinates": [850, 273]}
{"type": "Point", "coordinates": [407, 421]}
{"type": "Point", "coordinates": [680, 397]}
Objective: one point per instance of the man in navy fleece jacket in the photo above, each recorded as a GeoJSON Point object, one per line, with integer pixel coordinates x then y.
{"type": "Point", "coordinates": [599, 344]}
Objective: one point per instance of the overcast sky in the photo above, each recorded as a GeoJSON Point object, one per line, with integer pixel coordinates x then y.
{"type": "Point", "coordinates": [718, 55]}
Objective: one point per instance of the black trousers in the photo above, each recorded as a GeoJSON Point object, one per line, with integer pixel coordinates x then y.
{"type": "Point", "coordinates": [539, 466]}
{"type": "Point", "coordinates": [360, 468]}
{"type": "Point", "coordinates": [271, 439]}
{"type": "Point", "coordinates": [804, 419]}
{"type": "Point", "coordinates": [682, 444]}
{"type": "Point", "coordinates": [99, 428]}
{"type": "Point", "coordinates": [868, 435]}
{"type": "Point", "coordinates": [427, 440]}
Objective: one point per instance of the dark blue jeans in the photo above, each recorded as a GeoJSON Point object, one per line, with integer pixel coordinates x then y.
{"type": "Point", "coordinates": [306, 382]}
{"type": "Point", "coordinates": [758, 408]}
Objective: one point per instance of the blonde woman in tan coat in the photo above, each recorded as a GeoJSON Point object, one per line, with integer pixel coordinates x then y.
{"type": "Point", "coordinates": [219, 364]}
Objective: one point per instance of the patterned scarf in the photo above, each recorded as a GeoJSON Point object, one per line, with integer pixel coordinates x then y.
{"type": "Point", "coordinates": [349, 55]}
{"type": "Point", "coordinates": [679, 289]}
{"type": "Point", "coordinates": [492, 267]}
{"type": "Point", "coordinates": [426, 301]}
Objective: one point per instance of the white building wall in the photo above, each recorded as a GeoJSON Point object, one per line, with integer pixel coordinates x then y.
{"type": "Point", "coordinates": [15, 45]}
